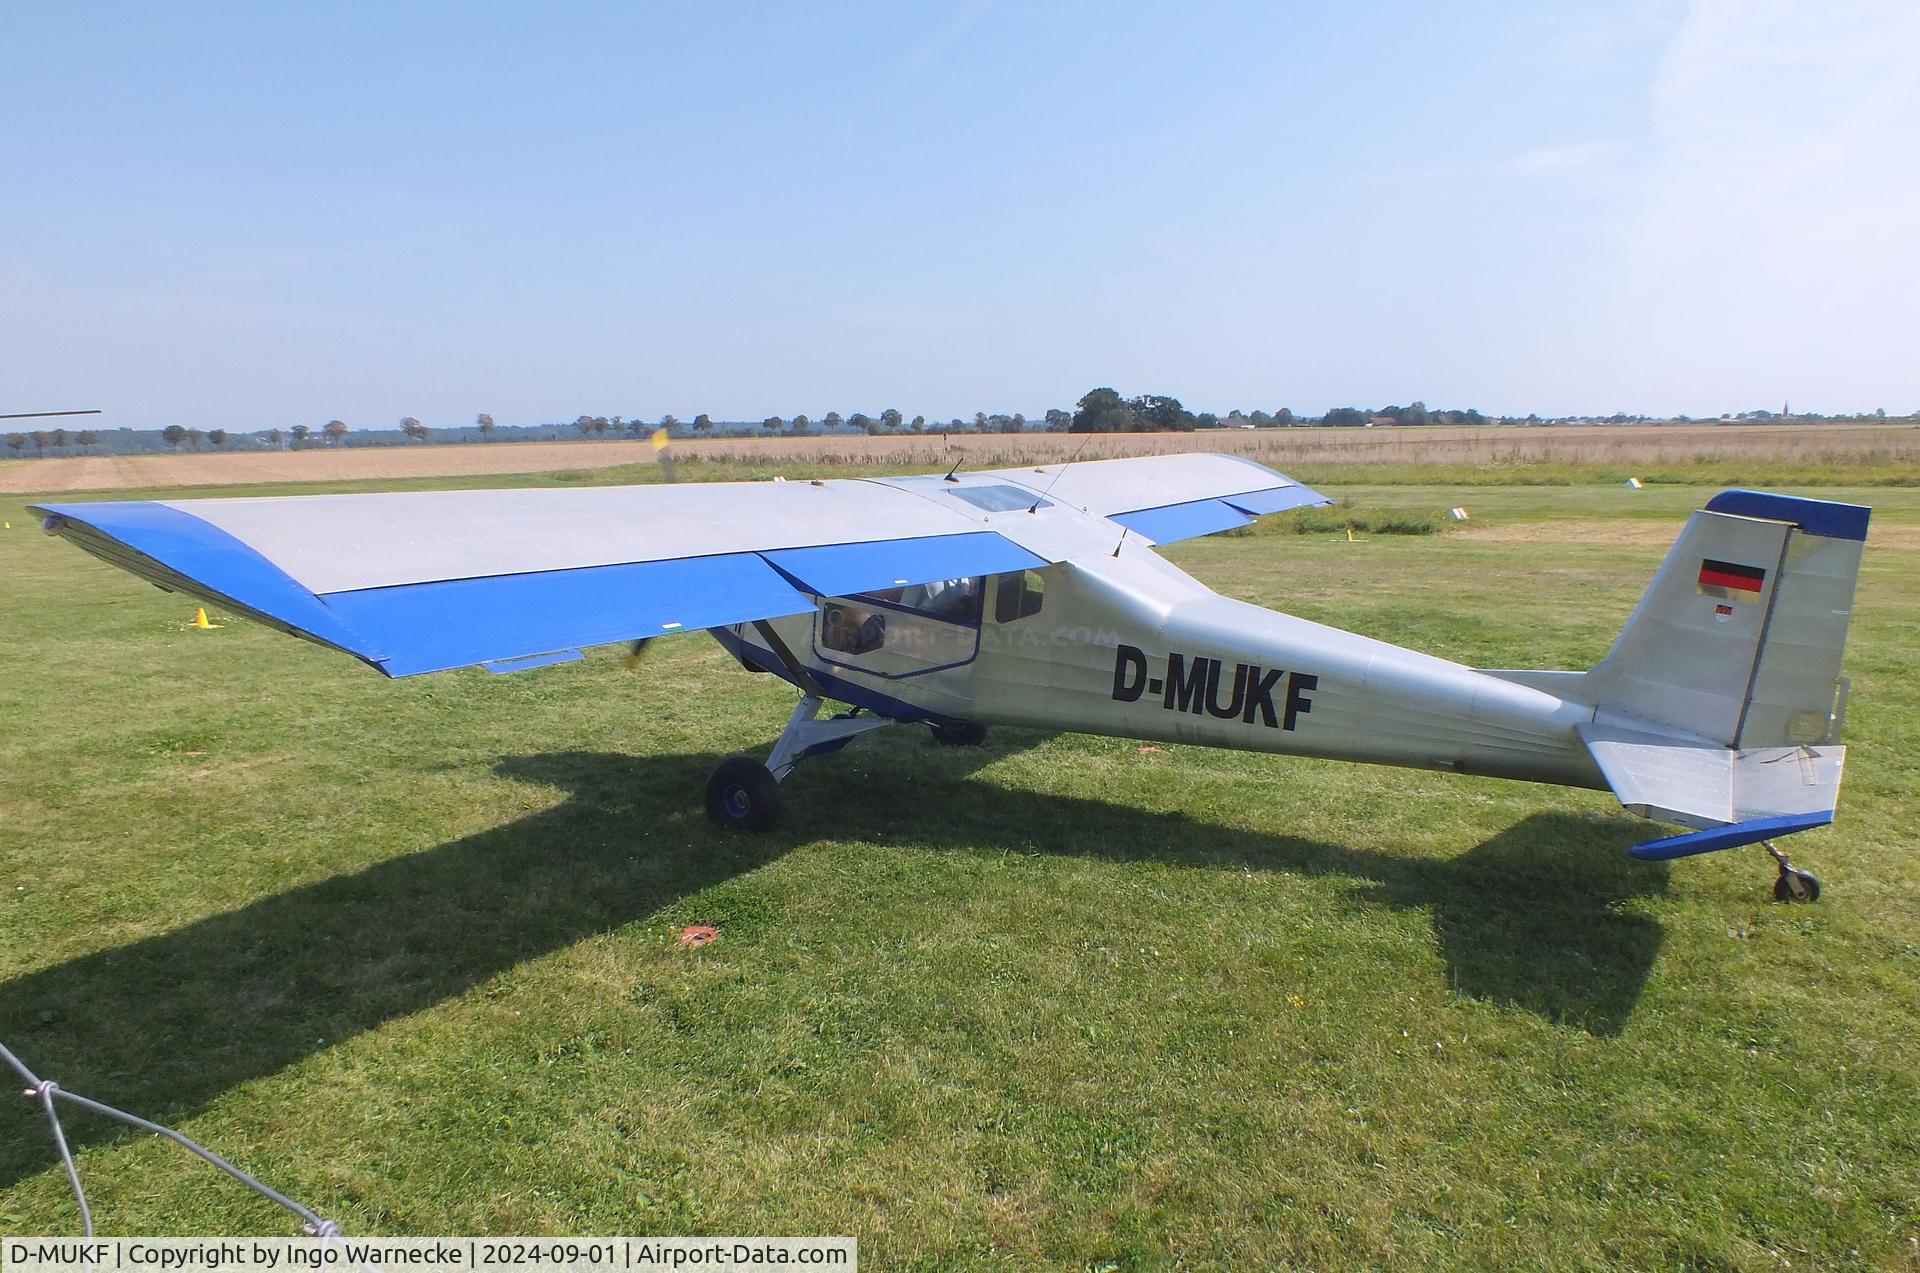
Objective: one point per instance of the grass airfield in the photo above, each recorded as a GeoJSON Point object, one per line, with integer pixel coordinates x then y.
{"type": "Point", "coordinates": [404, 949]}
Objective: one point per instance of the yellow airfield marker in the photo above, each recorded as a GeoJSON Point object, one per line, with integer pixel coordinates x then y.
{"type": "Point", "coordinates": [1350, 538]}
{"type": "Point", "coordinates": [200, 620]}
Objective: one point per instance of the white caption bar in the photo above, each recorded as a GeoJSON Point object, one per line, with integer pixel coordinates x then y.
{"type": "Point", "coordinates": [501, 1255]}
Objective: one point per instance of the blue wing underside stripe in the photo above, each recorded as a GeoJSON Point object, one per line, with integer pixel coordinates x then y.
{"type": "Point", "coordinates": [409, 629]}
{"type": "Point", "coordinates": [1172, 523]}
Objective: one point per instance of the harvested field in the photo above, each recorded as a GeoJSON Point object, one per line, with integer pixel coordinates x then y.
{"type": "Point", "coordinates": [1646, 449]}
{"type": "Point", "coordinates": [1645, 534]}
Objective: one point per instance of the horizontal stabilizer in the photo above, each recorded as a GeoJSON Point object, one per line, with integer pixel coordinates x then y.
{"type": "Point", "coordinates": [1701, 784]}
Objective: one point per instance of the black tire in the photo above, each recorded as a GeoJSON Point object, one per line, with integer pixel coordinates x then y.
{"type": "Point", "coordinates": [955, 733]}
{"type": "Point", "coordinates": [1784, 890]}
{"type": "Point", "coordinates": [742, 795]}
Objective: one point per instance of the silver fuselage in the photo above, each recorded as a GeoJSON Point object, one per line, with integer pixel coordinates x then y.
{"type": "Point", "coordinates": [1125, 643]}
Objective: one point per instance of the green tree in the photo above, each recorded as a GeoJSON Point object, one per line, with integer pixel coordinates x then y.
{"type": "Point", "coordinates": [87, 438]}
{"type": "Point", "coordinates": [831, 421]}
{"type": "Point", "coordinates": [39, 437]}
{"type": "Point", "coordinates": [194, 437]}
{"type": "Point", "coordinates": [773, 424]}
{"type": "Point", "coordinates": [918, 425]}
{"type": "Point", "coordinates": [1284, 417]}
{"type": "Point", "coordinates": [1158, 413]}
{"type": "Point", "coordinates": [671, 425]}
{"type": "Point", "coordinates": [217, 436]}
{"type": "Point", "coordinates": [484, 423]}
{"type": "Point", "coordinates": [583, 423]}
{"type": "Point", "coordinates": [1058, 421]}
{"type": "Point", "coordinates": [703, 423]}
{"type": "Point", "coordinates": [59, 438]}
{"type": "Point", "coordinates": [273, 439]}
{"type": "Point", "coordinates": [891, 418]}
{"type": "Point", "coordinates": [801, 424]}
{"type": "Point", "coordinates": [18, 441]}
{"type": "Point", "coordinates": [300, 435]}
{"type": "Point", "coordinates": [413, 429]}
{"type": "Point", "coordinates": [1102, 411]}
{"type": "Point", "coordinates": [336, 431]}
{"type": "Point", "coordinates": [862, 421]}
{"type": "Point", "coordinates": [1344, 418]}
{"type": "Point", "coordinates": [1206, 420]}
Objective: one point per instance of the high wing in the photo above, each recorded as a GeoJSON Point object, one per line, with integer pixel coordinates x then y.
{"type": "Point", "coordinates": [1168, 498]}
{"type": "Point", "coordinates": [422, 582]}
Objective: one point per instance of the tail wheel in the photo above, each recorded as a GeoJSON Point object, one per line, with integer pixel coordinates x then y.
{"type": "Point", "coordinates": [1796, 885]}
{"type": "Point", "coordinates": [742, 795]}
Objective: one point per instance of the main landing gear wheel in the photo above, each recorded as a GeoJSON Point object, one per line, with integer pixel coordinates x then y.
{"type": "Point", "coordinates": [742, 795]}
{"type": "Point", "coordinates": [959, 734]}
{"type": "Point", "coordinates": [1794, 884]}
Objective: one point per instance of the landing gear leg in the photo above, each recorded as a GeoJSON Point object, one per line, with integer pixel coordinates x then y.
{"type": "Point", "coordinates": [1794, 884]}
{"type": "Point", "coordinates": [744, 795]}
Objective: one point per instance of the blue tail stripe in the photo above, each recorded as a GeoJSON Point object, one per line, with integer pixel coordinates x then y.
{"type": "Point", "coordinates": [1727, 837]}
{"type": "Point", "coordinates": [1814, 516]}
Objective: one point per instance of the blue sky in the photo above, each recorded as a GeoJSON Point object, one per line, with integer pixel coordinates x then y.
{"type": "Point", "coordinates": [252, 215]}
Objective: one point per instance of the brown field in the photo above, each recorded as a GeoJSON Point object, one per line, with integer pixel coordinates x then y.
{"type": "Point", "coordinates": [1627, 447]}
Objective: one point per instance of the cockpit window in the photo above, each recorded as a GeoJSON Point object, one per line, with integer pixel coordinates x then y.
{"type": "Point", "coordinates": [1019, 594]}
{"type": "Point", "coordinates": [955, 600]}
{"type": "Point", "coordinates": [948, 600]}
{"type": "Point", "coordinates": [999, 499]}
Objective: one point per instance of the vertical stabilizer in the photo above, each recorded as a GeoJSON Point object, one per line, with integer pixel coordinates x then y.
{"type": "Point", "coordinates": [1739, 637]}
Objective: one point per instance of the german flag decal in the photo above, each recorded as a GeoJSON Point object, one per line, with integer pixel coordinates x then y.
{"type": "Point", "coordinates": [1731, 582]}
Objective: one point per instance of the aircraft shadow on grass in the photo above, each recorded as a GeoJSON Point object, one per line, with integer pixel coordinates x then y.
{"type": "Point", "coordinates": [1532, 918]}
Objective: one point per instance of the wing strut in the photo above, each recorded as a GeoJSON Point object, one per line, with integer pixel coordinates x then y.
{"type": "Point", "coordinates": [795, 668]}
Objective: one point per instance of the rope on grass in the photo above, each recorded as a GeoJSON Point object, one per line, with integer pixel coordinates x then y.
{"type": "Point", "coordinates": [46, 1092]}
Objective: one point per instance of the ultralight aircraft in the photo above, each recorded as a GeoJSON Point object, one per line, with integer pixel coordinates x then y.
{"type": "Point", "coordinates": [1034, 597]}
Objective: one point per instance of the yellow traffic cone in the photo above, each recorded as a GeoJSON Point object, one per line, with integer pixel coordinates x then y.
{"type": "Point", "coordinates": [200, 620]}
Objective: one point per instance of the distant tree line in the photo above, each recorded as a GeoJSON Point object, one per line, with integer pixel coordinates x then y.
{"type": "Point", "coordinates": [1102, 410]}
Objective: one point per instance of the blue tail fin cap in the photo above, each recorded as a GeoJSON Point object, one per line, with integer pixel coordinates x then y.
{"type": "Point", "coordinates": [1727, 837]}
{"type": "Point", "coordinates": [1814, 516]}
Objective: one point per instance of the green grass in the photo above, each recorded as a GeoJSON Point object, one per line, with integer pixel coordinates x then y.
{"type": "Point", "coordinates": [1343, 517]}
{"type": "Point", "coordinates": [404, 948]}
